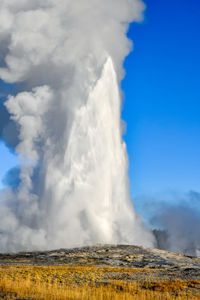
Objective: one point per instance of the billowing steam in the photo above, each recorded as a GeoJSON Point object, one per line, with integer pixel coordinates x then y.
{"type": "Point", "coordinates": [175, 217]}
{"type": "Point", "coordinates": [65, 58]}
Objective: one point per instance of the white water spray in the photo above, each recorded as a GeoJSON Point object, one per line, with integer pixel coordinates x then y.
{"type": "Point", "coordinates": [73, 187]}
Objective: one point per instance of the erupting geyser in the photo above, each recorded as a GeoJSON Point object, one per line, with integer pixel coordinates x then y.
{"type": "Point", "coordinates": [65, 57]}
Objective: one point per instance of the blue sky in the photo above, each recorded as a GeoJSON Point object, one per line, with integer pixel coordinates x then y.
{"type": "Point", "coordinates": [7, 159]}
{"type": "Point", "coordinates": [162, 100]}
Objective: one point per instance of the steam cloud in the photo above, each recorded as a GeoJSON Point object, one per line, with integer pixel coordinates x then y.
{"type": "Point", "coordinates": [65, 58]}
{"type": "Point", "coordinates": [177, 220]}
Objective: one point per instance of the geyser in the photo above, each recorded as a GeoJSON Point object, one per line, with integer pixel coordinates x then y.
{"type": "Point", "coordinates": [65, 58]}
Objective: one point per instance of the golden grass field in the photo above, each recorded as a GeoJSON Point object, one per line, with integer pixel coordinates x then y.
{"type": "Point", "coordinates": [79, 282]}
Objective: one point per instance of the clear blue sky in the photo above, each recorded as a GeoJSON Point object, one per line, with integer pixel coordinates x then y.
{"type": "Point", "coordinates": [162, 100]}
{"type": "Point", "coordinates": [7, 159]}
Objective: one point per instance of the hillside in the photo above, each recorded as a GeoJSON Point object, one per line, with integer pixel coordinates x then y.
{"type": "Point", "coordinates": [101, 272]}
{"type": "Point", "coordinates": [170, 265]}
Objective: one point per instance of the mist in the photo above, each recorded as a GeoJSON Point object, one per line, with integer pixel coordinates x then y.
{"type": "Point", "coordinates": [63, 120]}
{"type": "Point", "coordinates": [175, 220]}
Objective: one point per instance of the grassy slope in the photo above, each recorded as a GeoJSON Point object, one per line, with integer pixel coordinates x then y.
{"type": "Point", "coordinates": [92, 283]}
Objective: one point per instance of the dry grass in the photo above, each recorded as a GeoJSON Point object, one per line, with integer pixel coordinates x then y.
{"type": "Point", "coordinates": [75, 283]}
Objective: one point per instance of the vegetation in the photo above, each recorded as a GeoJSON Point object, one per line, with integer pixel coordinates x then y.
{"type": "Point", "coordinates": [90, 283]}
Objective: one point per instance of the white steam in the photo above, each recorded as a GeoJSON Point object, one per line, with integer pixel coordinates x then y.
{"type": "Point", "coordinates": [66, 60]}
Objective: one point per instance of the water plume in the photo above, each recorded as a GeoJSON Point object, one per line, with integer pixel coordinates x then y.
{"type": "Point", "coordinates": [65, 58]}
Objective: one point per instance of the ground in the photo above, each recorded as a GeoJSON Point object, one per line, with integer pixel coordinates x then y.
{"type": "Point", "coordinates": [101, 272]}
